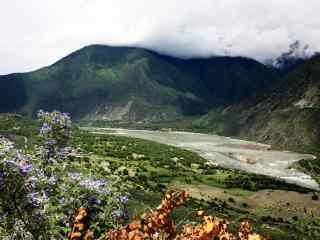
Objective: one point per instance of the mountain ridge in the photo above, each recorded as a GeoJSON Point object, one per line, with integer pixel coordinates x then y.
{"type": "Point", "coordinates": [134, 84]}
{"type": "Point", "coordinates": [284, 115]}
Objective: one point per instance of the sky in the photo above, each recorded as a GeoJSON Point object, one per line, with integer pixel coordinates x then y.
{"type": "Point", "coordinates": [36, 33]}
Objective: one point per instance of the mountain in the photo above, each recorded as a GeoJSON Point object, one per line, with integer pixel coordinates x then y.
{"type": "Point", "coordinates": [296, 54]}
{"type": "Point", "coordinates": [287, 114]}
{"type": "Point", "coordinates": [133, 84]}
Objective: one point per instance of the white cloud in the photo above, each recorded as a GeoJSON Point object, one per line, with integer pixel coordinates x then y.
{"type": "Point", "coordinates": [35, 33]}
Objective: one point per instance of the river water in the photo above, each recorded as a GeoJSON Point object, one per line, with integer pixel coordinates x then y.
{"type": "Point", "coordinates": [229, 153]}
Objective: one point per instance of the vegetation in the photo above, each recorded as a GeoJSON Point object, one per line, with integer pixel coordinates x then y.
{"type": "Point", "coordinates": [158, 225]}
{"type": "Point", "coordinates": [285, 115]}
{"type": "Point", "coordinates": [40, 189]}
{"type": "Point", "coordinates": [136, 83]}
{"type": "Point", "coordinates": [142, 170]}
{"type": "Point", "coordinates": [311, 167]}
{"type": "Point", "coordinates": [227, 96]}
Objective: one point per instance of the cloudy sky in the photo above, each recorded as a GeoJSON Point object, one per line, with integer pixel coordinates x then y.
{"type": "Point", "coordinates": [36, 33]}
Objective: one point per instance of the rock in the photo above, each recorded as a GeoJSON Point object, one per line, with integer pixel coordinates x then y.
{"type": "Point", "coordinates": [245, 158]}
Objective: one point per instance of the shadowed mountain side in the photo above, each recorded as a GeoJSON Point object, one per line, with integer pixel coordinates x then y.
{"type": "Point", "coordinates": [13, 92]}
{"type": "Point", "coordinates": [287, 114]}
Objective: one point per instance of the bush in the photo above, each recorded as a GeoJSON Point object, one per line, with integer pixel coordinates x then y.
{"type": "Point", "coordinates": [40, 191]}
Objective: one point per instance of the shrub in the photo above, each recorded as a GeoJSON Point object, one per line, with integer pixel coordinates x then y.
{"type": "Point", "coordinates": [40, 191]}
{"type": "Point", "coordinates": [157, 224]}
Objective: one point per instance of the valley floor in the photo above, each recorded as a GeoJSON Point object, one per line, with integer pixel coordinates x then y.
{"type": "Point", "coordinates": [229, 153]}
{"type": "Point", "coordinates": [276, 208]}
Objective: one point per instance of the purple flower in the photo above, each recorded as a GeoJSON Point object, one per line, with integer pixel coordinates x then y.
{"type": "Point", "coordinates": [26, 168]}
{"type": "Point", "coordinates": [40, 113]}
{"type": "Point", "coordinates": [126, 215]}
{"type": "Point", "coordinates": [116, 214]}
{"type": "Point", "coordinates": [38, 198]}
{"type": "Point", "coordinates": [62, 200]}
{"type": "Point", "coordinates": [95, 185]}
{"type": "Point", "coordinates": [50, 142]}
{"type": "Point", "coordinates": [74, 175]}
{"type": "Point", "coordinates": [22, 159]}
{"type": "Point", "coordinates": [46, 192]}
{"type": "Point", "coordinates": [94, 200]}
{"type": "Point", "coordinates": [40, 173]}
{"type": "Point", "coordinates": [52, 180]}
{"type": "Point", "coordinates": [66, 115]}
{"type": "Point", "coordinates": [35, 199]}
{"type": "Point", "coordinates": [45, 129]}
{"type": "Point", "coordinates": [123, 198]}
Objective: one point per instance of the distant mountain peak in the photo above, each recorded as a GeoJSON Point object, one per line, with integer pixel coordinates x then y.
{"type": "Point", "coordinates": [297, 53]}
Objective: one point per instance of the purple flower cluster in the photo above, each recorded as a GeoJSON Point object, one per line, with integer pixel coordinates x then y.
{"type": "Point", "coordinates": [99, 186]}
{"type": "Point", "coordinates": [21, 191]}
{"type": "Point", "coordinates": [26, 168]}
{"type": "Point", "coordinates": [96, 185]}
{"type": "Point", "coordinates": [45, 186]}
{"type": "Point", "coordinates": [55, 119]}
{"type": "Point", "coordinates": [38, 198]}
{"type": "Point", "coordinates": [74, 175]}
{"type": "Point", "coordinates": [15, 158]}
{"type": "Point", "coordinates": [99, 192]}
{"type": "Point", "coordinates": [55, 130]}
{"type": "Point", "coordinates": [45, 129]}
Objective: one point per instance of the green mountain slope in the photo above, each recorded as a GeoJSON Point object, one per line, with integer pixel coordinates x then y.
{"type": "Point", "coordinates": [133, 84]}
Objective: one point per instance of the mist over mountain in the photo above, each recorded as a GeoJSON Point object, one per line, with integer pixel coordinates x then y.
{"type": "Point", "coordinates": [296, 54]}
{"type": "Point", "coordinates": [49, 30]}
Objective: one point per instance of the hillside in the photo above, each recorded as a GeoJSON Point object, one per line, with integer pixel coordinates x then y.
{"type": "Point", "coordinates": [132, 84]}
{"type": "Point", "coordinates": [286, 115]}
{"type": "Point", "coordinates": [246, 98]}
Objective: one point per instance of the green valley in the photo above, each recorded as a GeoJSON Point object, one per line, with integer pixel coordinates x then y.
{"type": "Point", "coordinates": [147, 169]}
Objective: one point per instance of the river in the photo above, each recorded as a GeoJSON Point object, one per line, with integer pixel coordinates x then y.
{"type": "Point", "coordinates": [229, 153]}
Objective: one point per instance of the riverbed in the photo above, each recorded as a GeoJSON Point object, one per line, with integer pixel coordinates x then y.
{"type": "Point", "coordinates": [229, 153]}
